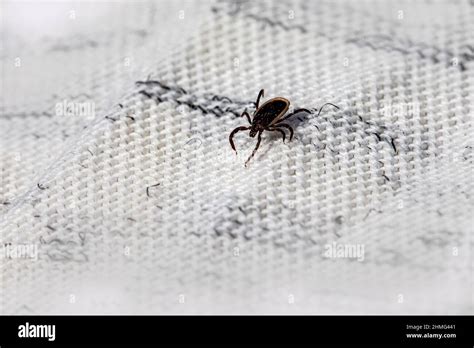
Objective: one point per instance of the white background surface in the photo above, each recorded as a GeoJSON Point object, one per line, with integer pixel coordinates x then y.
{"type": "Point", "coordinates": [216, 237]}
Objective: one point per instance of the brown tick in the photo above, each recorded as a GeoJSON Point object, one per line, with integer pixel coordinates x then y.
{"type": "Point", "coordinates": [268, 117]}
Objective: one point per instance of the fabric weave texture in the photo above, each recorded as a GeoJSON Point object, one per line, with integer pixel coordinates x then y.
{"type": "Point", "coordinates": [144, 207]}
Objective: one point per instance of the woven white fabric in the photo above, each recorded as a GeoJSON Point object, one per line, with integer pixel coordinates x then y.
{"type": "Point", "coordinates": [145, 208]}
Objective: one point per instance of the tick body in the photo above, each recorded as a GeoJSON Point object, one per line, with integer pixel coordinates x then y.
{"type": "Point", "coordinates": [268, 117]}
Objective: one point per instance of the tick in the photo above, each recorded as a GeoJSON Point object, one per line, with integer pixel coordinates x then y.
{"type": "Point", "coordinates": [268, 117]}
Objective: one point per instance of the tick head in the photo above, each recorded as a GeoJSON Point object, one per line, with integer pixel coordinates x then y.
{"type": "Point", "coordinates": [253, 132]}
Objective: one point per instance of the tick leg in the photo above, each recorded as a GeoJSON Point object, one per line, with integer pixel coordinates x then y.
{"type": "Point", "coordinates": [245, 113]}
{"type": "Point", "coordinates": [337, 107]}
{"type": "Point", "coordinates": [274, 129]}
{"type": "Point", "coordinates": [292, 114]}
{"type": "Point", "coordinates": [238, 129]}
{"type": "Point", "coordinates": [256, 147]}
{"type": "Point", "coordinates": [285, 126]}
{"type": "Point", "coordinates": [260, 94]}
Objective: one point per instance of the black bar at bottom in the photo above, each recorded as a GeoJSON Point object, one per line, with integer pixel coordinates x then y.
{"type": "Point", "coordinates": [450, 331]}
